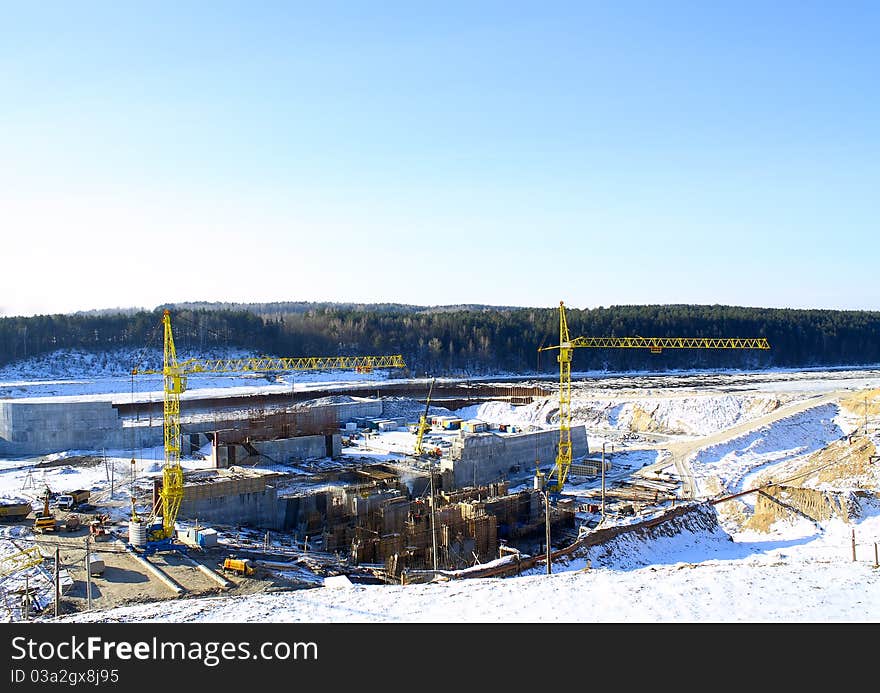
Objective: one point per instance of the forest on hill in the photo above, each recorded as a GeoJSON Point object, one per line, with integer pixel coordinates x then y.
{"type": "Point", "coordinates": [462, 339]}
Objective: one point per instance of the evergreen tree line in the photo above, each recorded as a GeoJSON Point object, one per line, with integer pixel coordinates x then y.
{"type": "Point", "coordinates": [463, 340]}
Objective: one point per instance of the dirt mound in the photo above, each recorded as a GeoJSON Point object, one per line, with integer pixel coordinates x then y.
{"type": "Point", "coordinates": [71, 461]}
{"type": "Point", "coordinates": [843, 465]}
{"type": "Point", "coordinates": [861, 404]}
{"type": "Point", "coordinates": [636, 545]}
{"type": "Point", "coordinates": [832, 482]}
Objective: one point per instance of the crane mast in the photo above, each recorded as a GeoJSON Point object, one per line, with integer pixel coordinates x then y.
{"type": "Point", "coordinates": [174, 376]}
{"type": "Point", "coordinates": [171, 493]}
{"type": "Point", "coordinates": [654, 344]}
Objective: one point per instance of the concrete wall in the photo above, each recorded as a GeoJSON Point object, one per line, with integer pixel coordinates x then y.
{"type": "Point", "coordinates": [349, 411]}
{"type": "Point", "coordinates": [282, 451]}
{"type": "Point", "coordinates": [39, 428]}
{"type": "Point", "coordinates": [260, 509]}
{"type": "Point", "coordinates": [481, 458]}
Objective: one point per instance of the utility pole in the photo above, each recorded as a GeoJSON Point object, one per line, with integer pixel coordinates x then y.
{"type": "Point", "coordinates": [88, 575]}
{"type": "Point", "coordinates": [603, 482]}
{"type": "Point", "coordinates": [112, 470]}
{"type": "Point", "coordinates": [133, 472]}
{"type": "Point", "coordinates": [57, 582]}
{"type": "Point", "coordinates": [547, 528]}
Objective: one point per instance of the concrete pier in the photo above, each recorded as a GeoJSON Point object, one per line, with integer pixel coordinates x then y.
{"type": "Point", "coordinates": [482, 458]}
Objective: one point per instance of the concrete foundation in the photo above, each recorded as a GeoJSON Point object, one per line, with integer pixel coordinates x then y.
{"type": "Point", "coordinates": [286, 451]}
{"type": "Point", "coordinates": [483, 458]}
{"type": "Point", "coordinates": [234, 497]}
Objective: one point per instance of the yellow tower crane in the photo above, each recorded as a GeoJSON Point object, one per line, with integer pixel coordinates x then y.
{"type": "Point", "coordinates": [175, 375]}
{"type": "Point", "coordinates": [423, 422]}
{"type": "Point", "coordinates": [655, 344]}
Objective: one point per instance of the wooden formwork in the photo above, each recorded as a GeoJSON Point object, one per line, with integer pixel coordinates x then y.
{"type": "Point", "coordinates": [484, 530]}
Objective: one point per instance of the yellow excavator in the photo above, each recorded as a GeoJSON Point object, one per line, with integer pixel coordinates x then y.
{"type": "Point", "coordinates": [45, 521]}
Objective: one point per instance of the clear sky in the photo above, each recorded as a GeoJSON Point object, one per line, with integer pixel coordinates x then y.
{"type": "Point", "coordinates": [505, 153]}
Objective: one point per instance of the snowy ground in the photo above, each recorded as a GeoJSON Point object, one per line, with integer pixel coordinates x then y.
{"type": "Point", "coordinates": [77, 373]}
{"type": "Point", "coordinates": [796, 572]}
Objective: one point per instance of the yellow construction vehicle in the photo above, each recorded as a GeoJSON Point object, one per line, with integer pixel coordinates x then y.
{"type": "Point", "coordinates": [423, 422]}
{"type": "Point", "coordinates": [72, 499]}
{"type": "Point", "coordinates": [239, 566]}
{"type": "Point", "coordinates": [160, 535]}
{"type": "Point", "coordinates": [14, 509]}
{"type": "Point", "coordinates": [45, 520]}
{"type": "Point", "coordinates": [654, 344]}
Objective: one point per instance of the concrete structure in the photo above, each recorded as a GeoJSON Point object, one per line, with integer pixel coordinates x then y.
{"type": "Point", "coordinates": [39, 426]}
{"type": "Point", "coordinates": [482, 458]}
{"type": "Point", "coordinates": [43, 425]}
{"type": "Point", "coordinates": [283, 451]}
{"type": "Point", "coordinates": [233, 496]}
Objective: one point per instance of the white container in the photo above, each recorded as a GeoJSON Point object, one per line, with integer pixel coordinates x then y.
{"type": "Point", "coordinates": [351, 426]}
{"type": "Point", "coordinates": [207, 537]}
{"type": "Point", "coordinates": [137, 533]}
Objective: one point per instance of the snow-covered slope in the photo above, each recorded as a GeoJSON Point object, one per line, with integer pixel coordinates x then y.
{"type": "Point", "coordinates": [794, 574]}
{"type": "Point", "coordinates": [799, 570]}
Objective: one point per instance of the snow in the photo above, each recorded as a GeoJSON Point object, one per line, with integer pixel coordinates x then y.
{"type": "Point", "coordinates": [793, 574]}
{"type": "Point", "coordinates": [797, 571]}
{"type": "Point", "coordinates": [734, 461]}
{"type": "Point", "coordinates": [79, 374]}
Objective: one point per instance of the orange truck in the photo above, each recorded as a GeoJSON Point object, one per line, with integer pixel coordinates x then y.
{"type": "Point", "coordinates": [239, 566]}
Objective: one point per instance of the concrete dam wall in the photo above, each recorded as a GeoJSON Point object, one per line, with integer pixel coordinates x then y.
{"type": "Point", "coordinates": [40, 426]}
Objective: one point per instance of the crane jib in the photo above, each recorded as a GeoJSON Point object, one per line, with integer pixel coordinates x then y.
{"type": "Point", "coordinates": [175, 374]}
{"type": "Point", "coordinates": [655, 345]}
{"type": "Point", "coordinates": [669, 343]}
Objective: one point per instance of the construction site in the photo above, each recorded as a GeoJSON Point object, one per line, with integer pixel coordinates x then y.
{"type": "Point", "coordinates": [391, 482]}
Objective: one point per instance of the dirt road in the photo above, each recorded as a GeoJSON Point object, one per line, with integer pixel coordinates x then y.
{"type": "Point", "coordinates": [682, 450]}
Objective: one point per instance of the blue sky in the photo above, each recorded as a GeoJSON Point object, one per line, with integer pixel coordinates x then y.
{"type": "Point", "coordinates": [503, 153]}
